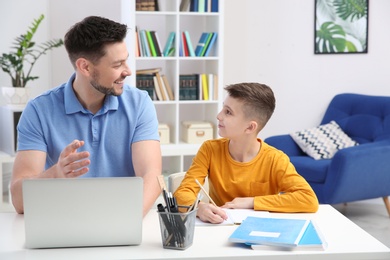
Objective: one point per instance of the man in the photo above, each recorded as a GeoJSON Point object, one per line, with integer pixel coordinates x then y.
{"type": "Point", "coordinates": [94, 125]}
{"type": "Point", "coordinates": [243, 171]}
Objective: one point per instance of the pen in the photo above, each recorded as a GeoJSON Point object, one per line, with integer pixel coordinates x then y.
{"type": "Point", "coordinates": [205, 192]}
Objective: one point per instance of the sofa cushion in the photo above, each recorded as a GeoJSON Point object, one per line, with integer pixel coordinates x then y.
{"type": "Point", "coordinates": [323, 141]}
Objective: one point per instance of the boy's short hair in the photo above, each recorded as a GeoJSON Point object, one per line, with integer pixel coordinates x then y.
{"type": "Point", "coordinates": [89, 38]}
{"type": "Point", "coordinates": [258, 100]}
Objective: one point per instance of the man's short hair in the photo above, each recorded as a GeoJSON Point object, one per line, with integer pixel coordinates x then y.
{"type": "Point", "coordinates": [89, 38]}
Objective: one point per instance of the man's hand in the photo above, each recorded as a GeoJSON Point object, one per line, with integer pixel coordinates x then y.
{"type": "Point", "coordinates": [72, 163]}
{"type": "Point", "coordinates": [210, 213]}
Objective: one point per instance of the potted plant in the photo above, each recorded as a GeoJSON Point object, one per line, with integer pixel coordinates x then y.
{"type": "Point", "coordinates": [19, 62]}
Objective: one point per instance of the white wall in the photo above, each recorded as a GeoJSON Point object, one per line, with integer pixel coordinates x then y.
{"type": "Point", "coordinates": [16, 16]}
{"type": "Point", "coordinates": [273, 42]}
{"type": "Point", "coordinates": [266, 41]}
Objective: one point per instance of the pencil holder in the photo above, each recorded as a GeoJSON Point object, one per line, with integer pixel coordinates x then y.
{"type": "Point", "coordinates": [177, 229]}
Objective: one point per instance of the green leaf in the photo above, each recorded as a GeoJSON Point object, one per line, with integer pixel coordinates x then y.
{"type": "Point", "coordinates": [330, 38]}
{"type": "Point", "coordinates": [352, 9]}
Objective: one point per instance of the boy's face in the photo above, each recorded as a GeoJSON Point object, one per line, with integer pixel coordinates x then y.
{"type": "Point", "coordinates": [232, 122]}
{"type": "Point", "coordinates": [109, 73]}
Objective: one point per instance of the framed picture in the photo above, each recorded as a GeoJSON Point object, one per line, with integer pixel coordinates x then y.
{"type": "Point", "coordinates": [341, 26]}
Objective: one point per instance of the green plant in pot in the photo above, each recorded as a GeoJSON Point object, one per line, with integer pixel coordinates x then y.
{"type": "Point", "coordinates": [19, 63]}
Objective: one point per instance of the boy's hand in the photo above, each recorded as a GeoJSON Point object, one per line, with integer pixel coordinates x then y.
{"type": "Point", "coordinates": [210, 213]}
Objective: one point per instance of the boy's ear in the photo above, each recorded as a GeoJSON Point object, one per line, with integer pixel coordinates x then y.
{"type": "Point", "coordinates": [252, 126]}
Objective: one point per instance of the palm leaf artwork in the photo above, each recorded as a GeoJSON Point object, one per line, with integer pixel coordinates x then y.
{"type": "Point", "coordinates": [13, 63]}
{"type": "Point", "coordinates": [341, 26]}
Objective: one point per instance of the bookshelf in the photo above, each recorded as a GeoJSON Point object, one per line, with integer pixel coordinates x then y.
{"type": "Point", "coordinates": [177, 155]}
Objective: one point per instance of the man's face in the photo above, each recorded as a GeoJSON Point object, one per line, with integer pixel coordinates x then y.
{"type": "Point", "coordinates": [109, 73]}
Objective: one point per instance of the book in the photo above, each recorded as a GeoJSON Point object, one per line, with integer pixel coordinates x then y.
{"type": "Point", "coordinates": [210, 45]}
{"type": "Point", "coordinates": [184, 44]}
{"type": "Point", "coordinates": [191, 51]}
{"type": "Point", "coordinates": [201, 6]}
{"type": "Point", "coordinates": [201, 44]}
{"type": "Point", "coordinates": [145, 44]}
{"type": "Point", "coordinates": [157, 88]}
{"type": "Point", "coordinates": [205, 87]}
{"type": "Point", "coordinates": [164, 89]}
{"type": "Point", "coordinates": [156, 43]}
{"type": "Point", "coordinates": [206, 44]}
{"type": "Point", "coordinates": [137, 46]}
{"type": "Point", "coordinates": [312, 239]}
{"type": "Point", "coordinates": [161, 86]}
{"type": "Point", "coordinates": [146, 82]}
{"type": "Point", "coordinates": [168, 87]}
{"type": "Point", "coordinates": [214, 6]}
{"type": "Point", "coordinates": [169, 45]}
{"type": "Point", "coordinates": [194, 6]}
{"type": "Point", "coordinates": [210, 84]}
{"type": "Point", "coordinates": [188, 87]}
{"type": "Point", "coordinates": [147, 71]}
{"type": "Point", "coordinates": [151, 44]}
{"type": "Point", "coordinates": [270, 231]}
{"type": "Point", "coordinates": [184, 5]}
{"type": "Point", "coordinates": [215, 80]}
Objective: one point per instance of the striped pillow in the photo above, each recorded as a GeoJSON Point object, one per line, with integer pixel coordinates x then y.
{"type": "Point", "coordinates": [324, 141]}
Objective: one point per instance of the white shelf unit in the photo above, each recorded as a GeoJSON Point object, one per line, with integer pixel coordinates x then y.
{"type": "Point", "coordinates": [177, 156]}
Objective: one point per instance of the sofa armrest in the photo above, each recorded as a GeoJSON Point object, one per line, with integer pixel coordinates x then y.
{"type": "Point", "coordinates": [286, 144]}
{"type": "Point", "coordinates": [359, 172]}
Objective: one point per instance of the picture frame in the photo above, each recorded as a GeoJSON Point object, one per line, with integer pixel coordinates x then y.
{"type": "Point", "coordinates": [341, 27]}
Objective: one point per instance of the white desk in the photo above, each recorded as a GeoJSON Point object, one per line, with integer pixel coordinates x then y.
{"type": "Point", "coordinates": [345, 241]}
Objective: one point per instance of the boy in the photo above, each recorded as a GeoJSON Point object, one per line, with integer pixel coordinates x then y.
{"type": "Point", "coordinates": [243, 171]}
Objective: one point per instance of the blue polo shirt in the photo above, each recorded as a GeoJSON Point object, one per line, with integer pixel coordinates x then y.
{"type": "Point", "coordinates": [54, 119]}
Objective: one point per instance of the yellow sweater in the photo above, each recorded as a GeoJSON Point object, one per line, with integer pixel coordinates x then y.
{"type": "Point", "coordinates": [270, 178]}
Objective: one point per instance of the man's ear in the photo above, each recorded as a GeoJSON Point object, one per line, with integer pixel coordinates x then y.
{"type": "Point", "coordinates": [83, 66]}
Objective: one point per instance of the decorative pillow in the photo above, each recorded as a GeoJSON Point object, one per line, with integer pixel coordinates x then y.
{"type": "Point", "coordinates": [324, 141]}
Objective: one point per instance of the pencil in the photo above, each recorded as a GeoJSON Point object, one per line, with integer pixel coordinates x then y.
{"type": "Point", "coordinates": [205, 192]}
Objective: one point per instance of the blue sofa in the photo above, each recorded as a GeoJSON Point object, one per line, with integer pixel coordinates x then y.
{"type": "Point", "coordinates": [355, 173]}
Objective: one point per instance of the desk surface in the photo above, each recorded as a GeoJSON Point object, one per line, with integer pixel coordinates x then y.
{"type": "Point", "coordinates": [345, 241]}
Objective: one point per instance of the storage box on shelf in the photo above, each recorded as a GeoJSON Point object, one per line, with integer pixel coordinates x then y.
{"type": "Point", "coordinates": [163, 131]}
{"type": "Point", "coordinates": [196, 132]}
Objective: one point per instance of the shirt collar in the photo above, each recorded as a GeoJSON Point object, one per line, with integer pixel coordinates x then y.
{"type": "Point", "coordinates": [73, 105]}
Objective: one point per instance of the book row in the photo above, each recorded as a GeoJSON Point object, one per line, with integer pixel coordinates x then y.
{"type": "Point", "coordinates": [200, 6]}
{"type": "Point", "coordinates": [155, 83]}
{"type": "Point", "coordinates": [148, 44]}
{"type": "Point", "coordinates": [198, 87]}
{"type": "Point", "coordinates": [191, 86]}
{"type": "Point", "coordinates": [146, 5]}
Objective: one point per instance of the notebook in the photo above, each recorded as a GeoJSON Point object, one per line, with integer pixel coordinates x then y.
{"type": "Point", "coordinates": [81, 212]}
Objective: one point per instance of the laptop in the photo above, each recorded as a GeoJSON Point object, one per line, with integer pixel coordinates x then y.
{"type": "Point", "coordinates": [83, 212]}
